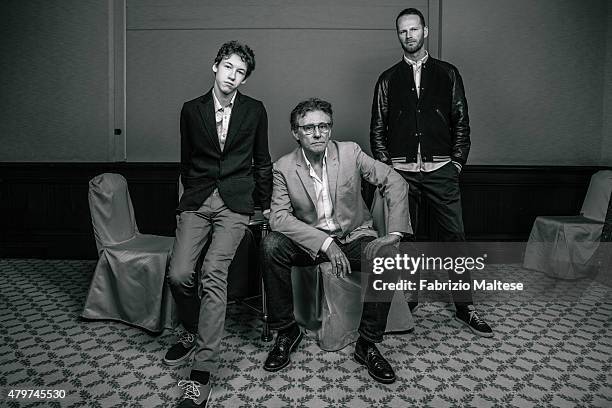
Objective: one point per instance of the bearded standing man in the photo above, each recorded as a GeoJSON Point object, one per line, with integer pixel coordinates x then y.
{"type": "Point", "coordinates": [420, 126]}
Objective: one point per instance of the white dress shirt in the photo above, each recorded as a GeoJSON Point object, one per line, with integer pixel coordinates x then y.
{"type": "Point", "coordinates": [324, 206]}
{"type": "Point", "coordinates": [222, 118]}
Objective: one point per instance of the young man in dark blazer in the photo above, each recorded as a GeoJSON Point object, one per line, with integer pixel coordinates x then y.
{"type": "Point", "coordinates": [226, 170]}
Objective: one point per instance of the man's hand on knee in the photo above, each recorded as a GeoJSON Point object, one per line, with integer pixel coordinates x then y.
{"type": "Point", "coordinates": [373, 247]}
{"type": "Point", "coordinates": [340, 263]}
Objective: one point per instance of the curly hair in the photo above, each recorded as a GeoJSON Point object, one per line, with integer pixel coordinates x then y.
{"type": "Point", "coordinates": [242, 50]}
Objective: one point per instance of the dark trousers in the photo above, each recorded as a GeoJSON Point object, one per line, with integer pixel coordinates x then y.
{"type": "Point", "coordinates": [281, 253]}
{"type": "Point", "coordinates": [441, 189]}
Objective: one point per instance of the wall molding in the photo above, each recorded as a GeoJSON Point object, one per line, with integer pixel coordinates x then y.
{"type": "Point", "coordinates": [44, 211]}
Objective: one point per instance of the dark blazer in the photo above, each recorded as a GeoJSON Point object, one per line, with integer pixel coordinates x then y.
{"type": "Point", "coordinates": [242, 171]}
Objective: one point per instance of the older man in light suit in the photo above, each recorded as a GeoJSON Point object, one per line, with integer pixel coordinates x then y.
{"type": "Point", "coordinates": [318, 215]}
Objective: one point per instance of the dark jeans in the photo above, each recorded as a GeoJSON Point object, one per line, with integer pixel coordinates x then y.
{"type": "Point", "coordinates": [281, 253]}
{"type": "Point", "coordinates": [441, 189]}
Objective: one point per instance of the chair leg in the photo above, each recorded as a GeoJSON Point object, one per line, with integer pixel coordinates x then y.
{"type": "Point", "coordinates": [266, 335]}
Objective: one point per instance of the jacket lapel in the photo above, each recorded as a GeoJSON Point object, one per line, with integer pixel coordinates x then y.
{"type": "Point", "coordinates": [207, 112]}
{"type": "Point", "coordinates": [238, 112]}
{"type": "Point", "coordinates": [304, 176]}
{"type": "Point", "coordinates": [332, 170]}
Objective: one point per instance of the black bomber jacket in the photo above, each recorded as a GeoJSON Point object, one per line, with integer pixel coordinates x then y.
{"type": "Point", "coordinates": [438, 119]}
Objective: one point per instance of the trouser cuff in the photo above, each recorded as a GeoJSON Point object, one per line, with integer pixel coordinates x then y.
{"type": "Point", "coordinates": [281, 325]}
{"type": "Point", "coordinates": [371, 339]}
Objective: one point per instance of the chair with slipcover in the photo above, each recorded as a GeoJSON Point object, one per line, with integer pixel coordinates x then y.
{"type": "Point", "coordinates": [128, 283]}
{"type": "Point", "coordinates": [331, 306]}
{"type": "Point", "coordinates": [564, 246]}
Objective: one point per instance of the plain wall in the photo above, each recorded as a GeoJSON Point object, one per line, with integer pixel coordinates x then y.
{"type": "Point", "coordinates": [54, 80]}
{"type": "Point", "coordinates": [332, 50]}
{"type": "Point", "coordinates": [534, 75]}
{"type": "Point", "coordinates": [537, 73]}
{"type": "Point", "coordinates": [606, 142]}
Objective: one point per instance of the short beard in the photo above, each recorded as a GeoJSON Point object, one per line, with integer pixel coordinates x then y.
{"type": "Point", "coordinates": [415, 50]}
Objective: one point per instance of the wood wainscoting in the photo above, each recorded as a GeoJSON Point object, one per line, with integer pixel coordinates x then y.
{"type": "Point", "coordinates": [44, 211]}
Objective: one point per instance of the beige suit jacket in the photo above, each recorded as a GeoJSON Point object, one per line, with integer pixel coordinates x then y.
{"type": "Point", "coordinates": [293, 208]}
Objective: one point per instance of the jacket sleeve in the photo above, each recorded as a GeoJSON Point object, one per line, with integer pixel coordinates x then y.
{"type": "Point", "coordinates": [262, 164]}
{"type": "Point", "coordinates": [283, 220]}
{"type": "Point", "coordinates": [185, 145]}
{"type": "Point", "coordinates": [379, 122]}
{"type": "Point", "coordinates": [460, 120]}
{"type": "Point", "coordinates": [392, 186]}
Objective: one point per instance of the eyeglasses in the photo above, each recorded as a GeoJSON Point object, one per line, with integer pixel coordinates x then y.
{"type": "Point", "coordinates": [323, 127]}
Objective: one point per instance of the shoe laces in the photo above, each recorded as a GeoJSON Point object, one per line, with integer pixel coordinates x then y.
{"type": "Point", "coordinates": [186, 339]}
{"type": "Point", "coordinates": [376, 359]}
{"type": "Point", "coordinates": [191, 389]}
{"type": "Point", "coordinates": [283, 343]}
{"type": "Point", "coordinates": [475, 317]}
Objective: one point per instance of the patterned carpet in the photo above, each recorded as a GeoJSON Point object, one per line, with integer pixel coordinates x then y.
{"type": "Point", "coordinates": [546, 353]}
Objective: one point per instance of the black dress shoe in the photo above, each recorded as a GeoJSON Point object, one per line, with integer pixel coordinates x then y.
{"type": "Point", "coordinates": [278, 358]}
{"type": "Point", "coordinates": [368, 355]}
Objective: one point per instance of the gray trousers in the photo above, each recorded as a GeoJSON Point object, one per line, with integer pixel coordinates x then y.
{"type": "Point", "coordinates": [201, 303]}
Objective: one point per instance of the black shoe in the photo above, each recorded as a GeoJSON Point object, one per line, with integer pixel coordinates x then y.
{"type": "Point", "coordinates": [182, 350]}
{"type": "Point", "coordinates": [195, 394]}
{"type": "Point", "coordinates": [468, 316]}
{"type": "Point", "coordinates": [278, 358]}
{"type": "Point", "coordinates": [368, 355]}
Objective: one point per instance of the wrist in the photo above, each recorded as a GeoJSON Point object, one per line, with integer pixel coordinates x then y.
{"type": "Point", "coordinates": [395, 238]}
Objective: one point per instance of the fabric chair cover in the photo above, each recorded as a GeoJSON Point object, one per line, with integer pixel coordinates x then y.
{"type": "Point", "coordinates": [112, 214]}
{"type": "Point", "coordinates": [379, 214]}
{"type": "Point", "coordinates": [597, 198]}
{"type": "Point", "coordinates": [331, 306]}
{"type": "Point", "coordinates": [563, 246]}
{"type": "Point", "coordinates": [603, 255]}
{"type": "Point", "coordinates": [128, 284]}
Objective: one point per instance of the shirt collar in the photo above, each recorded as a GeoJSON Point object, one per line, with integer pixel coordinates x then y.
{"type": "Point", "coordinates": [419, 62]}
{"type": "Point", "coordinates": [218, 104]}
{"type": "Point", "coordinates": [308, 165]}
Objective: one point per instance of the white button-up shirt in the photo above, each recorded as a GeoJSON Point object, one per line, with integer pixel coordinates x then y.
{"type": "Point", "coordinates": [324, 206]}
{"type": "Point", "coordinates": [222, 118]}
